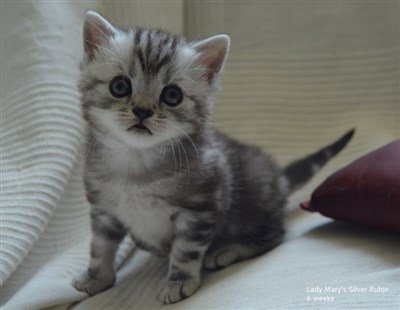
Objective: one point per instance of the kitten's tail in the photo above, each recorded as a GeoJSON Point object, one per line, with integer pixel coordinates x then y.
{"type": "Point", "coordinates": [300, 171]}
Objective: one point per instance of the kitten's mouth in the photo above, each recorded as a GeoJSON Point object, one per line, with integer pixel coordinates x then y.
{"type": "Point", "coordinates": [140, 128]}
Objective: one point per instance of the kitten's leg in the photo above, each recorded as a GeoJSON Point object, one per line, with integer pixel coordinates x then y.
{"type": "Point", "coordinates": [186, 260]}
{"type": "Point", "coordinates": [107, 233]}
{"type": "Point", "coordinates": [226, 255]}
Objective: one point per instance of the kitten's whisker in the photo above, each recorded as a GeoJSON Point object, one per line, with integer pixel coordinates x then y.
{"type": "Point", "coordinates": [174, 157]}
{"type": "Point", "coordinates": [163, 153]}
{"type": "Point", "coordinates": [182, 87]}
{"type": "Point", "coordinates": [187, 162]}
{"type": "Point", "coordinates": [102, 48]}
{"type": "Point", "coordinates": [126, 118]}
{"type": "Point", "coordinates": [180, 156]}
{"type": "Point", "coordinates": [97, 126]}
{"type": "Point", "coordinates": [179, 152]}
{"type": "Point", "coordinates": [101, 31]}
{"type": "Point", "coordinates": [189, 79]}
{"type": "Point", "coordinates": [197, 69]}
{"type": "Point", "coordinates": [108, 64]}
{"type": "Point", "coordinates": [90, 148]}
{"type": "Point", "coordinates": [189, 138]}
{"type": "Point", "coordinates": [184, 151]}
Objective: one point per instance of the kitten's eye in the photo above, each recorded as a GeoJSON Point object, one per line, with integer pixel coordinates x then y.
{"type": "Point", "coordinates": [171, 95]}
{"type": "Point", "coordinates": [121, 86]}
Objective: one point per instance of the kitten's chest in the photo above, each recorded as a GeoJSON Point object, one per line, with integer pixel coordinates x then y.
{"type": "Point", "coordinates": [145, 213]}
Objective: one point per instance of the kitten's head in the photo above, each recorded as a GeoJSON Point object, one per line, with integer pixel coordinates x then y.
{"type": "Point", "coordinates": [143, 87]}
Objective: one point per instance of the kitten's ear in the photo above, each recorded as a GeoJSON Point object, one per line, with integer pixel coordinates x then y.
{"type": "Point", "coordinates": [96, 32]}
{"type": "Point", "coordinates": [212, 54]}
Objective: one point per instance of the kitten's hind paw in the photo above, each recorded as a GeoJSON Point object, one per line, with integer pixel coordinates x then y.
{"type": "Point", "coordinates": [92, 286]}
{"type": "Point", "coordinates": [175, 291]}
{"type": "Point", "coordinates": [220, 259]}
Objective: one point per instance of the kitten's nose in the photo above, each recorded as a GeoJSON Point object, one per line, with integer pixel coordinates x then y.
{"type": "Point", "coordinates": [142, 113]}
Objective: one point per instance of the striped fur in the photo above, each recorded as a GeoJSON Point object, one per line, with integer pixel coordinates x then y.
{"type": "Point", "coordinates": [181, 189]}
{"type": "Point", "coordinates": [300, 171]}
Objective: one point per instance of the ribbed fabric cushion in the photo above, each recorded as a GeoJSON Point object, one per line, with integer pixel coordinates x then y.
{"type": "Point", "coordinates": [40, 119]}
{"type": "Point", "coordinates": [298, 76]}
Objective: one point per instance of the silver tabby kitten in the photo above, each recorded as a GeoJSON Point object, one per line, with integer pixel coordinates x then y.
{"type": "Point", "coordinates": [157, 171]}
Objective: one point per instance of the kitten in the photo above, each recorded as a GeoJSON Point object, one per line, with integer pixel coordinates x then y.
{"type": "Point", "coordinates": [156, 170]}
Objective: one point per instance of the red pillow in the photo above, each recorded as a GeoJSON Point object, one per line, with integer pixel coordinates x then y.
{"type": "Point", "coordinates": [365, 192]}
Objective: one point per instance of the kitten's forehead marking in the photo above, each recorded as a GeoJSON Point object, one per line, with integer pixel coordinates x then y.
{"type": "Point", "coordinates": [154, 49]}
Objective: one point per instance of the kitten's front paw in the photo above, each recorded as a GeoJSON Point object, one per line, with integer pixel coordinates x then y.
{"type": "Point", "coordinates": [175, 291]}
{"type": "Point", "coordinates": [92, 286]}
